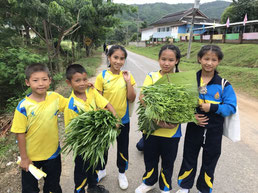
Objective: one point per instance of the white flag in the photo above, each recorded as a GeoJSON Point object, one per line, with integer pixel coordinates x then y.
{"type": "Point", "coordinates": [227, 24]}
{"type": "Point", "coordinates": [245, 19]}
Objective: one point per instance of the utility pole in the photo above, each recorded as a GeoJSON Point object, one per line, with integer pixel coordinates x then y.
{"type": "Point", "coordinates": [138, 21]}
{"type": "Point", "coordinates": [126, 36]}
{"type": "Point", "coordinates": [196, 7]}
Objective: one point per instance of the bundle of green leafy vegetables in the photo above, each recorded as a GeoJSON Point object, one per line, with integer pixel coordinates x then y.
{"type": "Point", "coordinates": [90, 135]}
{"type": "Point", "coordinates": [172, 99]}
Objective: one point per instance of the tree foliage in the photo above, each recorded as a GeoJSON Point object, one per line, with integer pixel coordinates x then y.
{"type": "Point", "coordinates": [52, 21]}
{"type": "Point", "coordinates": [12, 64]}
{"type": "Point", "coordinates": [237, 10]}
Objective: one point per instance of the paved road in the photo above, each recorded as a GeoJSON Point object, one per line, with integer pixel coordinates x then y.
{"type": "Point", "coordinates": [237, 168]}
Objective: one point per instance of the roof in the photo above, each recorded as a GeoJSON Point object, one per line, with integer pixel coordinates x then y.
{"type": "Point", "coordinates": [147, 28]}
{"type": "Point", "coordinates": [181, 16]}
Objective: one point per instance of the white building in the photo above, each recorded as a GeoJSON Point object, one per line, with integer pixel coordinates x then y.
{"type": "Point", "coordinates": [175, 25]}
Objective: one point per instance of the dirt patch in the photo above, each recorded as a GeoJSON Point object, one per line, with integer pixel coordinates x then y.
{"type": "Point", "coordinates": [5, 124]}
{"type": "Point", "coordinates": [10, 180]}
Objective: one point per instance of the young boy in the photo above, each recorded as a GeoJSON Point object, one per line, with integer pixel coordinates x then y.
{"type": "Point", "coordinates": [35, 124]}
{"type": "Point", "coordinates": [84, 97]}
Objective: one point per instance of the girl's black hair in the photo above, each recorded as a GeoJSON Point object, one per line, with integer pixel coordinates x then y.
{"type": "Point", "coordinates": [173, 48]}
{"type": "Point", "coordinates": [114, 48]}
{"type": "Point", "coordinates": [213, 48]}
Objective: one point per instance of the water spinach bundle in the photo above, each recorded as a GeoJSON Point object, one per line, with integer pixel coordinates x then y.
{"type": "Point", "coordinates": [90, 135]}
{"type": "Point", "coordinates": [169, 100]}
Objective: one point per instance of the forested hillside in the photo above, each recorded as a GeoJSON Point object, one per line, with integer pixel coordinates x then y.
{"type": "Point", "coordinates": [152, 12]}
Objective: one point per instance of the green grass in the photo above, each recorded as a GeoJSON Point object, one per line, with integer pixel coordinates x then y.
{"type": "Point", "coordinates": [91, 63]}
{"type": "Point", "coordinates": [8, 148]}
{"type": "Point", "coordinates": [239, 66]}
{"type": "Point", "coordinates": [67, 44]}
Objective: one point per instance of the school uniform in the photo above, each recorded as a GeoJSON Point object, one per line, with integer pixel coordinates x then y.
{"type": "Point", "coordinates": [83, 176]}
{"type": "Point", "coordinates": [113, 87]}
{"type": "Point", "coordinates": [223, 103]}
{"type": "Point", "coordinates": [161, 143]}
{"type": "Point", "coordinates": [38, 120]}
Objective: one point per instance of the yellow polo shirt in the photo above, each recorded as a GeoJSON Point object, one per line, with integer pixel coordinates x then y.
{"type": "Point", "coordinates": [38, 120]}
{"type": "Point", "coordinates": [75, 105]}
{"type": "Point", "coordinates": [114, 90]}
{"type": "Point", "coordinates": [150, 79]}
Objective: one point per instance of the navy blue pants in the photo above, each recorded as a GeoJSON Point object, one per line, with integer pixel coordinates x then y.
{"type": "Point", "coordinates": [211, 152]}
{"type": "Point", "coordinates": [52, 168]}
{"type": "Point", "coordinates": [83, 175]}
{"type": "Point", "coordinates": [154, 148]}
{"type": "Point", "coordinates": [122, 149]}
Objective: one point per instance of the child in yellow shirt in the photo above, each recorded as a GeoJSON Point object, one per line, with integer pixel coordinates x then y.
{"type": "Point", "coordinates": [163, 142]}
{"type": "Point", "coordinates": [35, 124]}
{"type": "Point", "coordinates": [83, 97]}
{"type": "Point", "coordinates": [117, 86]}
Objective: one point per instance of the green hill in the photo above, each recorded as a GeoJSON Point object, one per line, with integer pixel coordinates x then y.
{"type": "Point", "coordinates": [152, 12]}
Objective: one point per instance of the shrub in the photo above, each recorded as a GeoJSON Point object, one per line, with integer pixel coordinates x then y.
{"type": "Point", "coordinates": [12, 76]}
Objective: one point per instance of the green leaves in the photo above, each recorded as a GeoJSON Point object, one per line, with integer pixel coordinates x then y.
{"type": "Point", "coordinates": [12, 65]}
{"type": "Point", "coordinates": [170, 102]}
{"type": "Point", "coordinates": [90, 135]}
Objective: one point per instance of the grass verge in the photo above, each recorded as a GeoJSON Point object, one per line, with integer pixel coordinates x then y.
{"type": "Point", "coordinates": [239, 66]}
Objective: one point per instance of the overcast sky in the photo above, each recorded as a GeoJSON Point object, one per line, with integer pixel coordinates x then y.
{"type": "Point", "coordinates": [161, 1]}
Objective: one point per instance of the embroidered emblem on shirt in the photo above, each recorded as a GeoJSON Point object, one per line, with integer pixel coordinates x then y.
{"type": "Point", "coordinates": [33, 113]}
{"type": "Point", "coordinates": [216, 96]}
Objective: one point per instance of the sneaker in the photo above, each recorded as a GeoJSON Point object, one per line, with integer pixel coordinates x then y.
{"type": "Point", "coordinates": [183, 191]}
{"type": "Point", "coordinates": [122, 179]}
{"type": "Point", "coordinates": [143, 188]}
{"type": "Point", "coordinates": [101, 174]}
{"type": "Point", "coordinates": [97, 189]}
{"type": "Point", "coordinates": [164, 191]}
{"type": "Point", "coordinates": [140, 145]}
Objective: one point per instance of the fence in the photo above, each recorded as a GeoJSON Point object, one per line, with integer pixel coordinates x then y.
{"type": "Point", "coordinates": [137, 44]}
{"type": "Point", "coordinates": [235, 38]}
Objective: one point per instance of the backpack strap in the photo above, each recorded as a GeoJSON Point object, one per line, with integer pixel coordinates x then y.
{"type": "Point", "coordinates": [223, 83]}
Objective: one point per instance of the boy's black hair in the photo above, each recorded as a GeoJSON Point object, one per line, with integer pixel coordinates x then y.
{"type": "Point", "coordinates": [213, 48]}
{"type": "Point", "coordinates": [114, 48]}
{"type": "Point", "coordinates": [72, 69]}
{"type": "Point", "coordinates": [36, 67]}
{"type": "Point", "coordinates": [173, 48]}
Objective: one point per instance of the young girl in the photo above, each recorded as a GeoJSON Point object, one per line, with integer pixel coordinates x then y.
{"type": "Point", "coordinates": [164, 141]}
{"type": "Point", "coordinates": [117, 87]}
{"type": "Point", "coordinates": [214, 104]}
